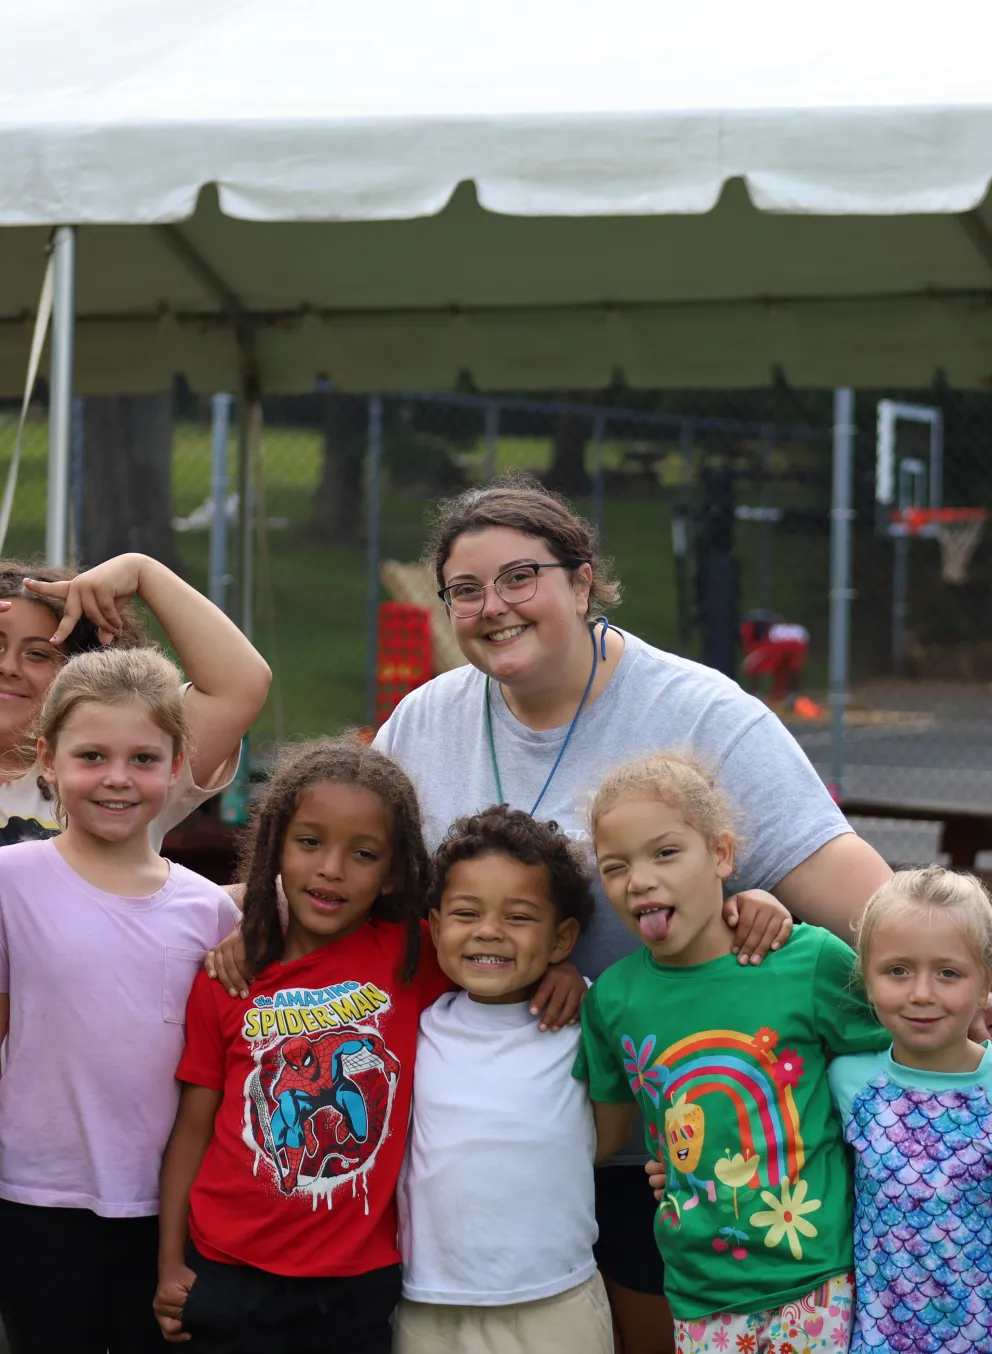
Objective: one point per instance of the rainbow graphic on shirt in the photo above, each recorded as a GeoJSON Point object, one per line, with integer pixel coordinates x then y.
{"type": "Point", "coordinates": [756, 1079]}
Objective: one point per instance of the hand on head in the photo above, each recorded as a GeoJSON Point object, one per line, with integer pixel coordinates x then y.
{"type": "Point", "coordinates": [99, 594]}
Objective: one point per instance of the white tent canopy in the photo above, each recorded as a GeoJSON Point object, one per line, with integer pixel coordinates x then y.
{"type": "Point", "coordinates": [540, 192]}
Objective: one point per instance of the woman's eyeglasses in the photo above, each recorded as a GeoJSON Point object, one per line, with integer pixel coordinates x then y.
{"type": "Point", "coordinates": [518, 584]}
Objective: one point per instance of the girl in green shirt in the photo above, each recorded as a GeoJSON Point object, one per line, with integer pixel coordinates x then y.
{"type": "Point", "coordinates": [728, 1064]}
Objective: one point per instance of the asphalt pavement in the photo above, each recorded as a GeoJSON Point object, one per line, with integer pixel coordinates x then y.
{"type": "Point", "coordinates": [918, 743]}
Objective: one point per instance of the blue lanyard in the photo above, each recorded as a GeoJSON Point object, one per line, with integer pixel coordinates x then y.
{"type": "Point", "coordinates": [597, 649]}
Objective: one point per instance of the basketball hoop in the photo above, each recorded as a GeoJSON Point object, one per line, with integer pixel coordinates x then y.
{"type": "Point", "coordinates": [957, 530]}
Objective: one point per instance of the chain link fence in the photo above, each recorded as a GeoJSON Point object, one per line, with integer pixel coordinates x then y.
{"type": "Point", "coordinates": [715, 507]}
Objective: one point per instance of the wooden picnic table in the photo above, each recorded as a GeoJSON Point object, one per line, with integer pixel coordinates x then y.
{"type": "Point", "coordinates": [966, 828]}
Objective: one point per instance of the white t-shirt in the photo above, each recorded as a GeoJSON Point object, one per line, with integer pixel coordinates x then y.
{"type": "Point", "coordinates": [26, 815]}
{"type": "Point", "coordinates": [496, 1196]}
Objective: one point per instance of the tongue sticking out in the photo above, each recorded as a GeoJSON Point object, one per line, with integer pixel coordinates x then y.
{"type": "Point", "coordinates": [654, 925]}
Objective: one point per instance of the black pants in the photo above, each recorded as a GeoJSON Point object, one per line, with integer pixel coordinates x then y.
{"type": "Point", "coordinates": [626, 1251]}
{"type": "Point", "coordinates": [73, 1281]}
{"type": "Point", "coordinates": [233, 1309]}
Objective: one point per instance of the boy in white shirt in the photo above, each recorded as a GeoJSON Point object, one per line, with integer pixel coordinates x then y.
{"type": "Point", "coordinates": [496, 1205]}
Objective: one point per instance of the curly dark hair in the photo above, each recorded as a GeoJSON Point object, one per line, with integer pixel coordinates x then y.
{"type": "Point", "coordinates": [350, 762]}
{"type": "Point", "coordinates": [521, 502]}
{"type": "Point", "coordinates": [84, 637]}
{"type": "Point", "coordinates": [503, 831]}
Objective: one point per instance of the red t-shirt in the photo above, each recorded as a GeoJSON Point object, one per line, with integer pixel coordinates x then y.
{"type": "Point", "coordinates": [316, 1067]}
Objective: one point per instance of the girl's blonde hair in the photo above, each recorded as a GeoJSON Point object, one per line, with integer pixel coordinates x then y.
{"type": "Point", "coordinates": [114, 676]}
{"type": "Point", "coordinates": [958, 895]}
{"type": "Point", "coordinates": [678, 779]}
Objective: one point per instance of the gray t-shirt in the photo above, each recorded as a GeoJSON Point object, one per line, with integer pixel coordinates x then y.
{"type": "Point", "coordinates": [653, 700]}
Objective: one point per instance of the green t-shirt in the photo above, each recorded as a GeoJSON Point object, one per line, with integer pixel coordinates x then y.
{"type": "Point", "coordinates": [729, 1065]}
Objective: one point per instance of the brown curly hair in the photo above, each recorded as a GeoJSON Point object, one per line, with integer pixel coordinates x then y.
{"type": "Point", "coordinates": [521, 502]}
{"type": "Point", "coordinates": [84, 637]}
{"type": "Point", "coordinates": [503, 831]}
{"type": "Point", "coordinates": [350, 762]}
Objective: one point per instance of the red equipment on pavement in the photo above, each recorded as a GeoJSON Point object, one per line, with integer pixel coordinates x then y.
{"type": "Point", "coordinates": [406, 658]}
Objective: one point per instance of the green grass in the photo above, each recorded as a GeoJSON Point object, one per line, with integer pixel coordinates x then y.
{"type": "Point", "coordinates": [310, 598]}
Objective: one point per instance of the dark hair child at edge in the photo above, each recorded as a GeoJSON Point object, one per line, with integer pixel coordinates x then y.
{"type": "Point", "coordinates": [278, 1221]}
{"type": "Point", "coordinates": [497, 1217]}
{"type": "Point", "coordinates": [728, 1065]}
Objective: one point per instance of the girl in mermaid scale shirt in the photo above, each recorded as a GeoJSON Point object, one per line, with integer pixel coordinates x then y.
{"type": "Point", "coordinates": [919, 1119]}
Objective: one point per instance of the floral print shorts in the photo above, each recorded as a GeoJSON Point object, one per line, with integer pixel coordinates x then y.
{"type": "Point", "coordinates": [819, 1323]}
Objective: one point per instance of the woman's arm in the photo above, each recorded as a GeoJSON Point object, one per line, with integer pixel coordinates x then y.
{"type": "Point", "coordinates": [230, 679]}
{"type": "Point", "coordinates": [830, 888]}
{"type": "Point", "coordinates": [184, 1153]}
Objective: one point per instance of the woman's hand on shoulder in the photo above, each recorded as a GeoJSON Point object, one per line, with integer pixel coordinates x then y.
{"type": "Point", "coordinates": [228, 963]}
{"type": "Point", "coordinates": [97, 593]}
{"type": "Point", "coordinates": [761, 923]}
{"type": "Point", "coordinates": [559, 997]}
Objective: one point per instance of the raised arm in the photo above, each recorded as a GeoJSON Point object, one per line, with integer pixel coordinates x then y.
{"type": "Point", "coordinates": [229, 678]}
{"type": "Point", "coordinates": [184, 1153]}
{"type": "Point", "coordinates": [830, 888]}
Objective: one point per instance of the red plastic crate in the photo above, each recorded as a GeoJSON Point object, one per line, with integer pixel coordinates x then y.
{"type": "Point", "coordinates": [406, 658]}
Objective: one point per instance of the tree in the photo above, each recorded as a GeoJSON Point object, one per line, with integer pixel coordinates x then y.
{"type": "Point", "coordinates": [337, 514]}
{"type": "Point", "coordinates": [127, 478]}
{"type": "Point", "coordinates": [567, 471]}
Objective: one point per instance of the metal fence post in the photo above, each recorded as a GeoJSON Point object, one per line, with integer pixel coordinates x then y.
{"type": "Point", "coordinates": [220, 406]}
{"type": "Point", "coordinates": [373, 524]}
{"type": "Point", "coordinates": [682, 532]}
{"type": "Point", "coordinates": [598, 505]}
{"type": "Point", "coordinates": [841, 523]}
{"type": "Point", "coordinates": [766, 571]}
{"type": "Point", "coordinates": [60, 396]}
{"type": "Point", "coordinates": [492, 440]}
{"type": "Point", "coordinates": [76, 480]}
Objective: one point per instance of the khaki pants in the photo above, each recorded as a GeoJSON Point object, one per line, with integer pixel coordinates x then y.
{"type": "Point", "coordinates": [575, 1322]}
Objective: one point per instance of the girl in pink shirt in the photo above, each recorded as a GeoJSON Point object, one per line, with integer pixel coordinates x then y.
{"type": "Point", "coordinates": [100, 940]}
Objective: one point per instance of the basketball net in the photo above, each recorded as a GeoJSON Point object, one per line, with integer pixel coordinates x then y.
{"type": "Point", "coordinates": [958, 531]}
{"type": "Point", "coordinates": [958, 542]}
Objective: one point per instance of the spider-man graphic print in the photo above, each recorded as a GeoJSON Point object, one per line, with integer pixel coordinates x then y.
{"type": "Point", "coordinates": [318, 1105]}
{"type": "Point", "coordinates": [315, 1070]}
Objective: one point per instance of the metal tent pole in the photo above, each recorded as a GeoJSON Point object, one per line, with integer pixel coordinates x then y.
{"type": "Point", "coordinates": [246, 516]}
{"type": "Point", "coordinates": [219, 574]}
{"type": "Point", "coordinates": [841, 521]}
{"type": "Point", "coordinates": [60, 396]}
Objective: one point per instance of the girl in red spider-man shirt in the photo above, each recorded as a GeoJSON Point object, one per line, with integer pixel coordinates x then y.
{"type": "Point", "coordinates": [278, 1223]}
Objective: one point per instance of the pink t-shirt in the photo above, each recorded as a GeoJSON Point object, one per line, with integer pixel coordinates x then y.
{"type": "Point", "coordinates": [98, 988]}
